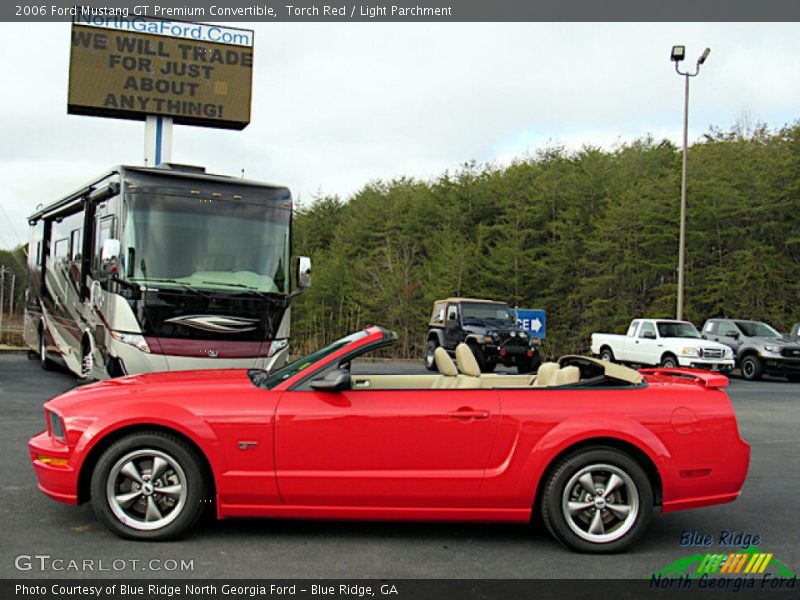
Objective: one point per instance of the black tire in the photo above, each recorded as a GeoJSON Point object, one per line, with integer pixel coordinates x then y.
{"type": "Point", "coordinates": [529, 365]}
{"type": "Point", "coordinates": [430, 360]}
{"type": "Point", "coordinates": [793, 378]}
{"type": "Point", "coordinates": [607, 354]}
{"type": "Point", "coordinates": [142, 450]}
{"type": "Point", "coordinates": [479, 355]}
{"type": "Point", "coordinates": [751, 367]}
{"type": "Point", "coordinates": [87, 361]}
{"type": "Point", "coordinates": [562, 487]}
{"type": "Point", "coordinates": [489, 366]}
{"type": "Point", "coordinates": [44, 362]}
{"type": "Point", "coordinates": [669, 361]}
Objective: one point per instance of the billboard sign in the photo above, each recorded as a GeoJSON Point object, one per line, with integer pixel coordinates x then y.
{"type": "Point", "coordinates": [198, 74]}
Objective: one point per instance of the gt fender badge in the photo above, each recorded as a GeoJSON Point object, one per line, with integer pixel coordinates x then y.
{"type": "Point", "coordinates": [247, 445]}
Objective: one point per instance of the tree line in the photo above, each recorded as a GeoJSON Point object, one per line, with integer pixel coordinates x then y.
{"type": "Point", "coordinates": [590, 236]}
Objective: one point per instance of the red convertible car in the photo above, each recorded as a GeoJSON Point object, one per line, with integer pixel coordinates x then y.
{"type": "Point", "coordinates": [588, 446]}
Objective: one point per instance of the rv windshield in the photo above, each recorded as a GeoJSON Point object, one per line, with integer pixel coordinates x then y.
{"type": "Point", "coordinates": [204, 243]}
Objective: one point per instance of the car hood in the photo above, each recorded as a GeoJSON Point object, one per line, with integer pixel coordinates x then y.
{"type": "Point", "coordinates": [163, 386]}
{"type": "Point", "coordinates": [782, 342]}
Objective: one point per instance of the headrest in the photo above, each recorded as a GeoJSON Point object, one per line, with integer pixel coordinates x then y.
{"type": "Point", "coordinates": [546, 374]}
{"type": "Point", "coordinates": [568, 375]}
{"type": "Point", "coordinates": [467, 363]}
{"type": "Point", "coordinates": [444, 363]}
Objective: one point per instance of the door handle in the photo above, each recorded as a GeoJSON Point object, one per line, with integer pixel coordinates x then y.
{"type": "Point", "coordinates": [468, 414]}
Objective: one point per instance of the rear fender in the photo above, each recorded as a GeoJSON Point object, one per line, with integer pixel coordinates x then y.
{"type": "Point", "coordinates": [583, 428]}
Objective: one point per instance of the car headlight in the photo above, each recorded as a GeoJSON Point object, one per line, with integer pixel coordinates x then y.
{"type": "Point", "coordinates": [770, 348]}
{"type": "Point", "coordinates": [728, 353]}
{"type": "Point", "coordinates": [132, 339]}
{"type": "Point", "coordinates": [56, 426]}
{"type": "Point", "coordinates": [690, 352]}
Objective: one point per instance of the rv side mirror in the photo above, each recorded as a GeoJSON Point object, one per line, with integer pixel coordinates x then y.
{"type": "Point", "coordinates": [304, 272]}
{"type": "Point", "coordinates": [110, 251]}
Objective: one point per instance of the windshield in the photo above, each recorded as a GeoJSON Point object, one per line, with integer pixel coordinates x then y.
{"type": "Point", "coordinates": [205, 243]}
{"type": "Point", "coordinates": [485, 311]}
{"type": "Point", "coordinates": [270, 380]}
{"type": "Point", "coordinates": [757, 329]}
{"type": "Point", "coordinates": [669, 329]}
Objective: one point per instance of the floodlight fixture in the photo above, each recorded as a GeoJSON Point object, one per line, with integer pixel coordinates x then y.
{"type": "Point", "coordinates": [678, 53]}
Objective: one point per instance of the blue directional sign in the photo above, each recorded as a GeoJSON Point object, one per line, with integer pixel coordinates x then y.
{"type": "Point", "coordinates": [532, 320]}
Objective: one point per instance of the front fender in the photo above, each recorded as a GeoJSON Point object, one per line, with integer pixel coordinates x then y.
{"type": "Point", "coordinates": [157, 414]}
{"type": "Point", "coordinates": [582, 428]}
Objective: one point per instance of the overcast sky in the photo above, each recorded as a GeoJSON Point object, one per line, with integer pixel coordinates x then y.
{"type": "Point", "coordinates": [338, 105]}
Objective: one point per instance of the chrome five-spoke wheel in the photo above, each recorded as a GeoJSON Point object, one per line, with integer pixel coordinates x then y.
{"type": "Point", "coordinates": [146, 489]}
{"type": "Point", "coordinates": [597, 499]}
{"type": "Point", "coordinates": [149, 485]}
{"type": "Point", "coordinates": [600, 503]}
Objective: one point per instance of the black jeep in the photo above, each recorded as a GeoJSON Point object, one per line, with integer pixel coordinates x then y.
{"type": "Point", "coordinates": [489, 330]}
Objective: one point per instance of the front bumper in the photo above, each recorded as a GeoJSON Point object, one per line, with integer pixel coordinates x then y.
{"type": "Point", "coordinates": [780, 365]}
{"type": "Point", "coordinates": [712, 364]}
{"type": "Point", "coordinates": [58, 482]}
{"type": "Point", "coordinates": [135, 362]}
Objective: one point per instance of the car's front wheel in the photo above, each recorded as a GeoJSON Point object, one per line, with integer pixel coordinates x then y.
{"type": "Point", "coordinates": [597, 500]}
{"type": "Point", "coordinates": [149, 486]}
{"type": "Point", "coordinates": [430, 357]}
{"type": "Point", "coordinates": [752, 369]}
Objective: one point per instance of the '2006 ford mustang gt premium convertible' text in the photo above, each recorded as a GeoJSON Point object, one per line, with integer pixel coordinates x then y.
{"type": "Point", "coordinates": [588, 446]}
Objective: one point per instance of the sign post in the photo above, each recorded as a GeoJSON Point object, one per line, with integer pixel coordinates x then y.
{"type": "Point", "coordinates": [157, 140]}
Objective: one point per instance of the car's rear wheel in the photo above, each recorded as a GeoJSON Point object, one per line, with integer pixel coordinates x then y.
{"type": "Point", "coordinates": [430, 357]}
{"type": "Point", "coordinates": [149, 486]}
{"type": "Point", "coordinates": [752, 369]}
{"type": "Point", "coordinates": [597, 500]}
{"type": "Point", "coordinates": [607, 354]}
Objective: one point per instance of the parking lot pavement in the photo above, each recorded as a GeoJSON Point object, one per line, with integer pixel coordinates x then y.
{"type": "Point", "coordinates": [769, 418]}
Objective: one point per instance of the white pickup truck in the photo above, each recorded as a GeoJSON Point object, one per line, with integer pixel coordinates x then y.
{"type": "Point", "coordinates": [663, 342]}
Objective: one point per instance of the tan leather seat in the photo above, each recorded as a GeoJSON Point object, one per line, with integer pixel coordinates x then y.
{"type": "Point", "coordinates": [568, 375]}
{"type": "Point", "coordinates": [470, 371]}
{"type": "Point", "coordinates": [546, 375]}
{"type": "Point", "coordinates": [449, 374]}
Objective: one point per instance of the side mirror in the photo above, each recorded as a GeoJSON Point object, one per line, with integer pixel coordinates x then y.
{"type": "Point", "coordinates": [453, 316]}
{"type": "Point", "coordinates": [303, 272]}
{"type": "Point", "coordinates": [649, 335]}
{"type": "Point", "coordinates": [110, 251]}
{"type": "Point", "coordinates": [335, 381]}
{"type": "Point", "coordinates": [732, 334]}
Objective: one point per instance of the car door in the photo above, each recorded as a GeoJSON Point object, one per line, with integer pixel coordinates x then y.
{"type": "Point", "coordinates": [384, 448]}
{"type": "Point", "coordinates": [452, 327]}
{"type": "Point", "coordinates": [645, 346]}
{"type": "Point", "coordinates": [729, 334]}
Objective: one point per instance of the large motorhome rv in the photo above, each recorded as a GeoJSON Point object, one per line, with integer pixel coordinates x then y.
{"type": "Point", "coordinates": [165, 268]}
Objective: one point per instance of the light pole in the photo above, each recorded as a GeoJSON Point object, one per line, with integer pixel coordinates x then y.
{"type": "Point", "coordinates": [678, 54]}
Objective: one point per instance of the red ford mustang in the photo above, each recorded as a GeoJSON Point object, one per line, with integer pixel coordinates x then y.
{"type": "Point", "coordinates": [589, 446]}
